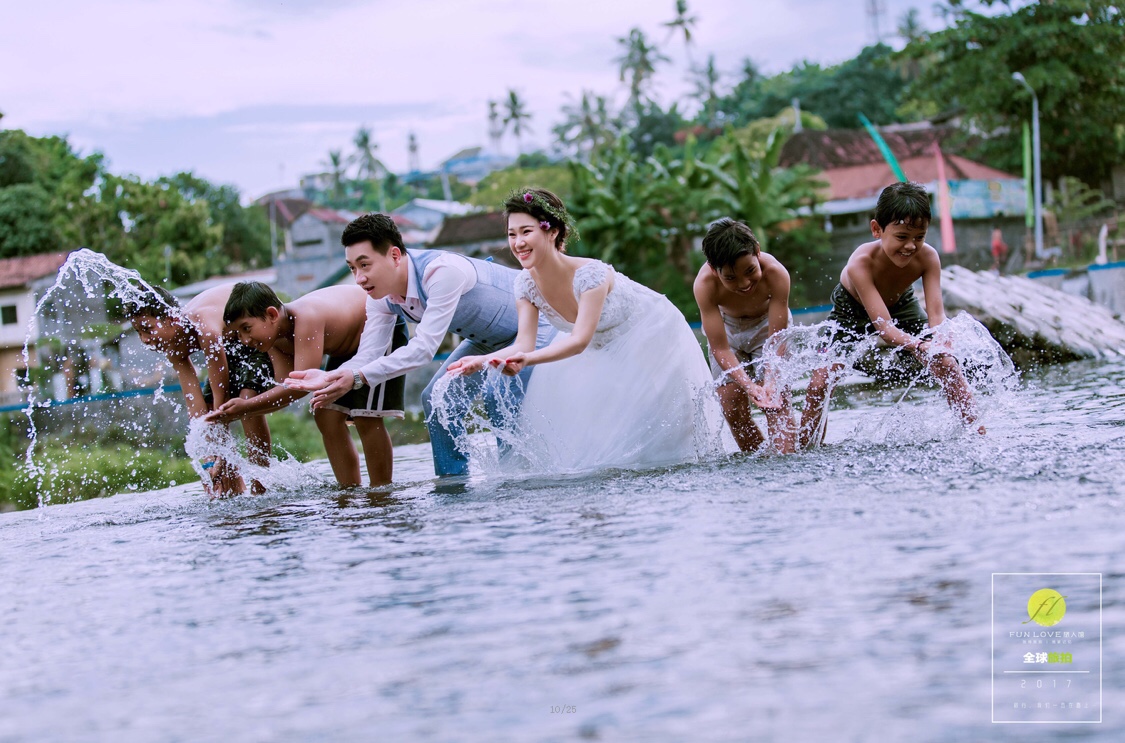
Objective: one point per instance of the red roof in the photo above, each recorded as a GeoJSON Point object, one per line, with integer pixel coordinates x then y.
{"type": "Point", "coordinates": [328, 215]}
{"type": "Point", "coordinates": [22, 271]}
{"type": "Point", "coordinates": [853, 166]}
{"type": "Point", "coordinates": [858, 181]}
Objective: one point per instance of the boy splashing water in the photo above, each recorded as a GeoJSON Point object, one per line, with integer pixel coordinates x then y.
{"type": "Point", "coordinates": [875, 296]}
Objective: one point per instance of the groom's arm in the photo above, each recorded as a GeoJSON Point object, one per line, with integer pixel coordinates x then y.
{"type": "Point", "coordinates": [444, 288]}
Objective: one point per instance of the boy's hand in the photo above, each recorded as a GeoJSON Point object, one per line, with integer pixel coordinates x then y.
{"type": "Point", "coordinates": [762, 396]}
{"type": "Point", "coordinates": [467, 365]}
{"type": "Point", "coordinates": [229, 411]}
{"type": "Point", "coordinates": [225, 479]}
{"type": "Point", "coordinates": [309, 380]}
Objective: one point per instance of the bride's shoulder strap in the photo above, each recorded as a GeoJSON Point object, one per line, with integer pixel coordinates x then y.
{"type": "Point", "coordinates": [590, 275]}
{"type": "Point", "coordinates": [525, 286]}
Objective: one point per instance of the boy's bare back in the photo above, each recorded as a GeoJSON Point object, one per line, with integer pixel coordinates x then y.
{"type": "Point", "coordinates": [338, 312]}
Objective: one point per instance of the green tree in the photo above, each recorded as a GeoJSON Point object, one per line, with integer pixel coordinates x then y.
{"type": "Point", "coordinates": [706, 80]}
{"type": "Point", "coordinates": [586, 125]}
{"type": "Point", "coordinates": [1069, 51]}
{"type": "Point", "coordinates": [683, 23]}
{"type": "Point", "coordinates": [245, 230]}
{"type": "Point", "coordinates": [26, 221]}
{"type": "Point", "coordinates": [516, 115]}
{"type": "Point", "coordinates": [495, 187]}
{"type": "Point", "coordinates": [637, 63]}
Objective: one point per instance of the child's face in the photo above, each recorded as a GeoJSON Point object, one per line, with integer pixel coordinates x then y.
{"type": "Point", "coordinates": [158, 333]}
{"type": "Point", "coordinates": [900, 240]}
{"type": "Point", "coordinates": [741, 276]}
{"type": "Point", "coordinates": [258, 333]}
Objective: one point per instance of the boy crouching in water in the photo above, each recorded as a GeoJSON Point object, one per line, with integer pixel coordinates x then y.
{"type": "Point", "coordinates": [743, 298]}
{"type": "Point", "coordinates": [297, 335]}
{"type": "Point", "coordinates": [875, 296]}
{"type": "Point", "coordinates": [233, 370]}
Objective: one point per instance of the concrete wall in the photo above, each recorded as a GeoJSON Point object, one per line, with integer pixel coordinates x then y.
{"type": "Point", "coordinates": [1107, 286]}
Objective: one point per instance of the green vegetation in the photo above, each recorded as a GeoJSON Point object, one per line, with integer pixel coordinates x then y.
{"type": "Point", "coordinates": [114, 461]}
{"type": "Point", "coordinates": [52, 196]}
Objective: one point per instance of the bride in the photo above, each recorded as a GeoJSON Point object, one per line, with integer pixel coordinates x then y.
{"type": "Point", "coordinates": [624, 384]}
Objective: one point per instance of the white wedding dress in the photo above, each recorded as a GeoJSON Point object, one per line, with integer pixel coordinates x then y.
{"type": "Point", "coordinates": [641, 394]}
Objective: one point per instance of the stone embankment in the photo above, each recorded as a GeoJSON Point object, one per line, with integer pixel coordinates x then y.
{"type": "Point", "coordinates": [1034, 323]}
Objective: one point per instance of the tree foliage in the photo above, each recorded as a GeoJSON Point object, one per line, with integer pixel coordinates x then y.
{"type": "Point", "coordinates": [52, 198]}
{"type": "Point", "coordinates": [1069, 51]}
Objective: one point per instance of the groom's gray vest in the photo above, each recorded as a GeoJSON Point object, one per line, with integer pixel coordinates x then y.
{"type": "Point", "coordinates": [486, 313]}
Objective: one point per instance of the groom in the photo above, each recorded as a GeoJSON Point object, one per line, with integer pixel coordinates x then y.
{"type": "Point", "coordinates": [442, 292]}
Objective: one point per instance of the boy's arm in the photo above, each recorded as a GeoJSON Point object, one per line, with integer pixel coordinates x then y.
{"type": "Point", "coordinates": [278, 397]}
{"type": "Point", "coordinates": [931, 286]}
{"type": "Point", "coordinates": [218, 367]}
{"type": "Point", "coordinates": [864, 283]}
{"type": "Point", "coordinates": [716, 333]}
{"type": "Point", "coordinates": [779, 300]}
{"type": "Point", "coordinates": [189, 383]}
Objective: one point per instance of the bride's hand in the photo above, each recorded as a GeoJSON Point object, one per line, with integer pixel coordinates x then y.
{"type": "Point", "coordinates": [514, 364]}
{"type": "Point", "coordinates": [466, 365]}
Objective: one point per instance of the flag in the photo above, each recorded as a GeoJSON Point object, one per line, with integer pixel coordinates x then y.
{"type": "Point", "coordinates": [945, 205]}
{"type": "Point", "coordinates": [883, 148]}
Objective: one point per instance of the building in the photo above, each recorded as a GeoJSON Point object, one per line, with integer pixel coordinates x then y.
{"type": "Point", "coordinates": [472, 164]}
{"type": "Point", "coordinates": [478, 235]}
{"type": "Point", "coordinates": [855, 172]}
{"type": "Point", "coordinates": [428, 214]}
{"type": "Point", "coordinates": [22, 282]}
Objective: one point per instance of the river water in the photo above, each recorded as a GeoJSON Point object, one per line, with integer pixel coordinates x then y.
{"type": "Point", "coordinates": [844, 594]}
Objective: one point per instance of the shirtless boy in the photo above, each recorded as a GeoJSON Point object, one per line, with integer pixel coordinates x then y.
{"type": "Point", "coordinates": [232, 369]}
{"type": "Point", "coordinates": [297, 335]}
{"type": "Point", "coordinates": [875, 296]}
{"type": "Point", "coordinates": [743, 298]}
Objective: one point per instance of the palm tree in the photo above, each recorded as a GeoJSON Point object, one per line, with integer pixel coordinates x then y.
{"type": "Point", "coordinates": [368, 166]}
{"type": "Point", "coordinates": [496, 127]}
{"type": "Point", "coordinates": [587, 123]}
{"type": "Point", "coordinates": [516, 115]}
{"type": "Point", "coordinates": [706, 88]}
{"type": "Point", "coordinates": [910, 27]}
{"type": "Point", "coordinates": [683, 23]}
{"type": "Point", "coordinates": [337, 165]}
{"type": "Point", "coordinates": [637, 62]}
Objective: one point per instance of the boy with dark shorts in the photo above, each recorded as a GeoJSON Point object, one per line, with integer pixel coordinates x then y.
{"type": "Point", "coordinates": [232, 369]}
{"type": "Point", "coordinates": [875, 296]}
{"type": "Point", "coordinates": [743, 298]}
{"type": "Point", "coordinates": [297, 335]}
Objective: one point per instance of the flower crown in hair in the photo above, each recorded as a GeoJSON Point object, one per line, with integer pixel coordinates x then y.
{"type": "Point", "coordinates": [558, 217]}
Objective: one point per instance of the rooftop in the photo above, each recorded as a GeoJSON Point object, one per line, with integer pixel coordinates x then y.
{"type": "Point", "coordinates": [15, 272]}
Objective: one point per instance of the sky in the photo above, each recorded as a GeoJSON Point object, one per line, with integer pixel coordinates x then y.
{"type": "Point", "coordinates": [256, 92]}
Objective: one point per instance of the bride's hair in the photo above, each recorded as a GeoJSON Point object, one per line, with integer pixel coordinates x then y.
{"type": "Point", "coordinates": [543, 206]}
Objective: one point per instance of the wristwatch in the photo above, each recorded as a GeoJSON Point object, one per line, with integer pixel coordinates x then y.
{"type": "Point", "coordinates": [357, 379]}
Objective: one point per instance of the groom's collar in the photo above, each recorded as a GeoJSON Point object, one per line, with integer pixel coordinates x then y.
{"type": "Point", "coordinates": [411, 283]}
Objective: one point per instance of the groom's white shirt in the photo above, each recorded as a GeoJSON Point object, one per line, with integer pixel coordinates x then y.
{"type": "Point", "coordinates": [446, 279]}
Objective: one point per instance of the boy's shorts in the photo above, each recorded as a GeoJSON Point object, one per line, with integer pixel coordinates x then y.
{"type": "Point", "coordinates": [747, 337]}
{"type": "Point", "coordinates": [384, 400]}
{"type": "Point", "coordinates": [248, 369]}
{"type": "Point", "coordinates": [855, 325]}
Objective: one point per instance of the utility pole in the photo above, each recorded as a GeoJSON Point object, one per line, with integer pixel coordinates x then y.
{"type": "Point", "coordinates": [1037, 169]}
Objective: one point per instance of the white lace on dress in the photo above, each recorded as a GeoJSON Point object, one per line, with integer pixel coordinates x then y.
{"type": "Point", "coordinates": [618, 312]}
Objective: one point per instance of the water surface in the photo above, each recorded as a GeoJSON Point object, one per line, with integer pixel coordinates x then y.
{"type": "Point", "coordinates": [842, 594]}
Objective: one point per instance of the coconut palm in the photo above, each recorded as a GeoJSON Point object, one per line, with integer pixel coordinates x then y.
{"type": "Point", "coordinates": [706, 80]}
{"type": "Point", "coordinates": [337, 165]}
{"type": "Point", "coordinates": [496, 127]}
{"type": "Point", "coordinates": [368, 166]}
{"type": "Point", "coordinates": [682, 23]}
{"type": "Point", "coordinates": [637, 62]}
{"type": "Point", "coordinates": [517, 116]}
{"type": "Point", "coordinates": [587, 123]}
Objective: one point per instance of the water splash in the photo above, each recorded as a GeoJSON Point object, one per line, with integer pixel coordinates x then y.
{"type": "Point", "coordinates": [212, 442]}
{"type": "Point", "coordinates": [791, 356]}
